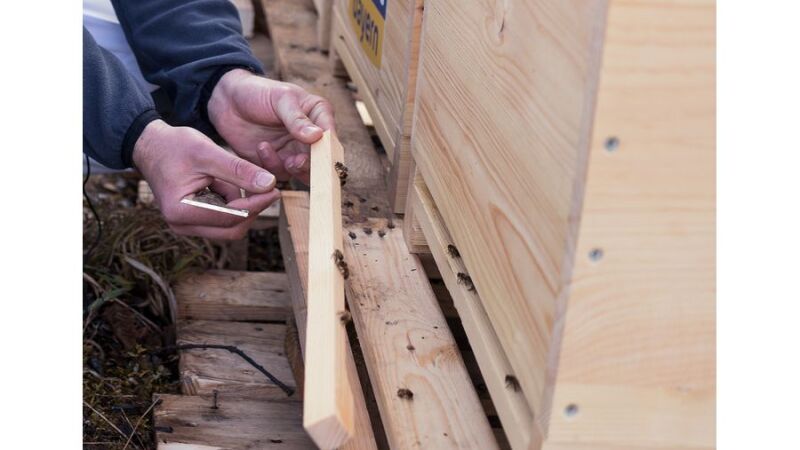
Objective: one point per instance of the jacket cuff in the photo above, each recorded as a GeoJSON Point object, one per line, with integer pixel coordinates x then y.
{"type": "Point", "coordinates": [208, 89]}
{"type": "Point", "coordinates": [134, 131]}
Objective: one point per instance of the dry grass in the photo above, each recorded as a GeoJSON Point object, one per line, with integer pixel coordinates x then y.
{"type": "Point", "coordinates": [129, 312]}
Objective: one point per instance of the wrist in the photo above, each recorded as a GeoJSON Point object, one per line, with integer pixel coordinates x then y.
{"type": "Point", "coordinates": [147, 142]}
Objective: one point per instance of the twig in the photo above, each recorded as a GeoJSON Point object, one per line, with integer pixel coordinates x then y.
{"type": "Point", "coordinates": [139, 422]}
{"type": "Point", "coordinates": [104, 418]}
{"type": "Point", "coordinates": [233, 349]}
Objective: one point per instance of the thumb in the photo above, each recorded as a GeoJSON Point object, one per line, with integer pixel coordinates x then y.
{"type": "Point", "coordinates": [288, 110]}
{"type": "Point", "coordinates": [237, 171]}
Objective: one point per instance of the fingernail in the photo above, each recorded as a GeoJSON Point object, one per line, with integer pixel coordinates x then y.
{"type": "Point", "coordinates": [264, 180]}
{"type": "Point", "coordinates": [309, 130]}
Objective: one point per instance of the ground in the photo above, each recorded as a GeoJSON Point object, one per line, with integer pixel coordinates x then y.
{"type": "Point", "coordinates": [128, 326]}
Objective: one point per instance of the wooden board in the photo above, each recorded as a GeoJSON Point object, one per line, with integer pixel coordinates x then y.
{"type": "Point", "coordinates": [510, 404]}
{"type": "Point", "coordinates": [232, 295]}
{"type": "Point", "coordinates": [504, 104]}
{"type": "Point", "coordinates": [407, 345]}
{"type": "Point", "coordinates": [638, 353]}
{"type": "Point", "coordinates": [412, 230]}
{"type": "Point", "coordinates": [328, 401]}
{"type": "Point", "coordinates": [388, 88]}
{"type": "Point", "coordinates": [190, 422]}
{"type": "Point", "coordinates": [293, 232]}
{"type": "Point", "coordinates": [208, 370]}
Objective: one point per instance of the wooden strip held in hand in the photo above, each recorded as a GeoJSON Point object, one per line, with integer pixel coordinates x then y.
{"type": "Point", "coordinates": [328, 400]}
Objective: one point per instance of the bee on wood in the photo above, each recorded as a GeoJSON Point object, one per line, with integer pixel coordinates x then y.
{"type": "Point", "coordinates": [512, 383]}
{"type": "Point", "coordinates": [405, 394]}
{"type": "Point", "coordinates": [351, 235]}
{"type": "Point", "coordinates": [466, 280]}
{"type": "Point", "coordinates": [341, 170]}
{"type": "Point", "coordinates": [390, 225]}
{"type": "Point", "coordinates": [348, 204]}
{"type": "Point", "coordinates": [345, 317]}
{"type": "Point", "coordinates": [367, 231]}
{"type": "Point", "coordinates": [338, 258]}
{"type": "Point", "coordinates": [381, 233]}
{"type": "Point", "coordinates": [453, 251]}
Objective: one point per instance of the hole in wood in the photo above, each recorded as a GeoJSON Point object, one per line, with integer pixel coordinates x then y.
{"type": "Point", "coordinates": [571, 410]}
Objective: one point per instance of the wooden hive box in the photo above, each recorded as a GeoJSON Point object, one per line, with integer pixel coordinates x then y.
{"type": "Point", "coordinates": [566, 150]}
{"type": "Point", "coordinates": [378, 42]}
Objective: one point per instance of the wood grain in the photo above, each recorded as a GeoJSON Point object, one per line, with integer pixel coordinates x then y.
{"type": "Point", "coordinates": [407, 345]}
{"type": "Point", "coordinates": [190, 422]}
{"type": "Point", "coordinates": [504, 104]}
{"type": "Point", "coordinates": [205, 371]}
{"type": "Point", "coordinates": [328, 400]}
{"type": "Point", "coordinates": [293, 232]}
{"type": "Point", "coordinates": [510, 403]}
{"type": "Point", "coordinates": [232, 295]}
{"type": "Point", "coordinates": [638, 351]}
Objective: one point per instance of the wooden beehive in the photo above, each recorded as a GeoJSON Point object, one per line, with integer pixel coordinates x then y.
{"type": "Point", "coordinates": [566, 150]}
{"type": "Point", "coordinates": [378, 42]}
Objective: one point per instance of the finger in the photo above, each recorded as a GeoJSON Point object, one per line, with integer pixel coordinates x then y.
{"type": "Point", "coordinates": [299, 166]}
{"type": "Point", "coordinates": [270, 158]}
{"type": "Point", "coordinates": [237, 171]}
{"type": "Point", "coordinates": [320, 111]}
{"type": "Point", "coordinates": [257, 202]}
{"type": "Point", "coordinates": [295, 120]}
{"type": "Point", "coordinates": [226, 190]}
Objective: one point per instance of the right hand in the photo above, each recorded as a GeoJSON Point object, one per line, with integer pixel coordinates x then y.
{"type": "Point", "coordinates": [180, 161]}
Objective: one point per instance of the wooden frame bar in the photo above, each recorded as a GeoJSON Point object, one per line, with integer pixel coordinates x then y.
{"type": "Point", "coordinates": [328, 400]}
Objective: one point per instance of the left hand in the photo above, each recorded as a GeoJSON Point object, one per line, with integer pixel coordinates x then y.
{"type": "Point", "coordinates": [268, 122]}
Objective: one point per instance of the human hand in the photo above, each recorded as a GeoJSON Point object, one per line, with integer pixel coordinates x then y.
{"type": "Point", "coordinates": [268, 122]}
{"type": "Point", "coordinates": [180, 161]}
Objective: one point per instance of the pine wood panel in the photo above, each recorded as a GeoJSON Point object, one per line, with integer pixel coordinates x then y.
{"type": "Point", "coordinates": [232, 295]}
{"type": "Point", "coordinates": [408, 345]}
{"type": "Point", "coordinates": [327, 399]}
{"type": "Point", "coordinates": [293, 232]}
{"type": "Point", "coordinates": [504, 104]}
{"type": "Point", "coordinates": [638, 352]}
{"type": "Point", "coordinates": [190, 422]}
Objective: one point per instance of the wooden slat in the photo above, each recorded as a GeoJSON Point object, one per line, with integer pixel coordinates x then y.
{"type": "Point", "coordinates": [407, 345]}
{"type": "Point", "coordinates": [293, 232]}
{"type": "Point", "coordinates": [511, 406]}
{"type": "Point", "coordinates": [191, 422]}
{"type": "Point", "coordinates": [232, 295]}
{"type": "Point", "coordinates": [204, 371]}
{"type": "Point", "coordinates": [637, 361]}
{"type": "Point", "coordinates": [328, 401]}
{"type": "Point", "coordinates": [412, 230]}
{"type": "Point", "coordinates": [504, 103]}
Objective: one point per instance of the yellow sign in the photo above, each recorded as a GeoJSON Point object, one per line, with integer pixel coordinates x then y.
{"type": "Point", "coordinates": [367, 18]}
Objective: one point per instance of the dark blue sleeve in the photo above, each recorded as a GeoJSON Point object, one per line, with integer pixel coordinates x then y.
{"type": "Point", "coordinates": [184, 47]}
{"type": "Point", "coordinates": [115, 108]}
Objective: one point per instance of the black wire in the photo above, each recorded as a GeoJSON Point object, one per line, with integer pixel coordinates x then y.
{"type": "Point", "coordinates": [91, 207]}
{"type": "Point", "coordinates": [235, 350]}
